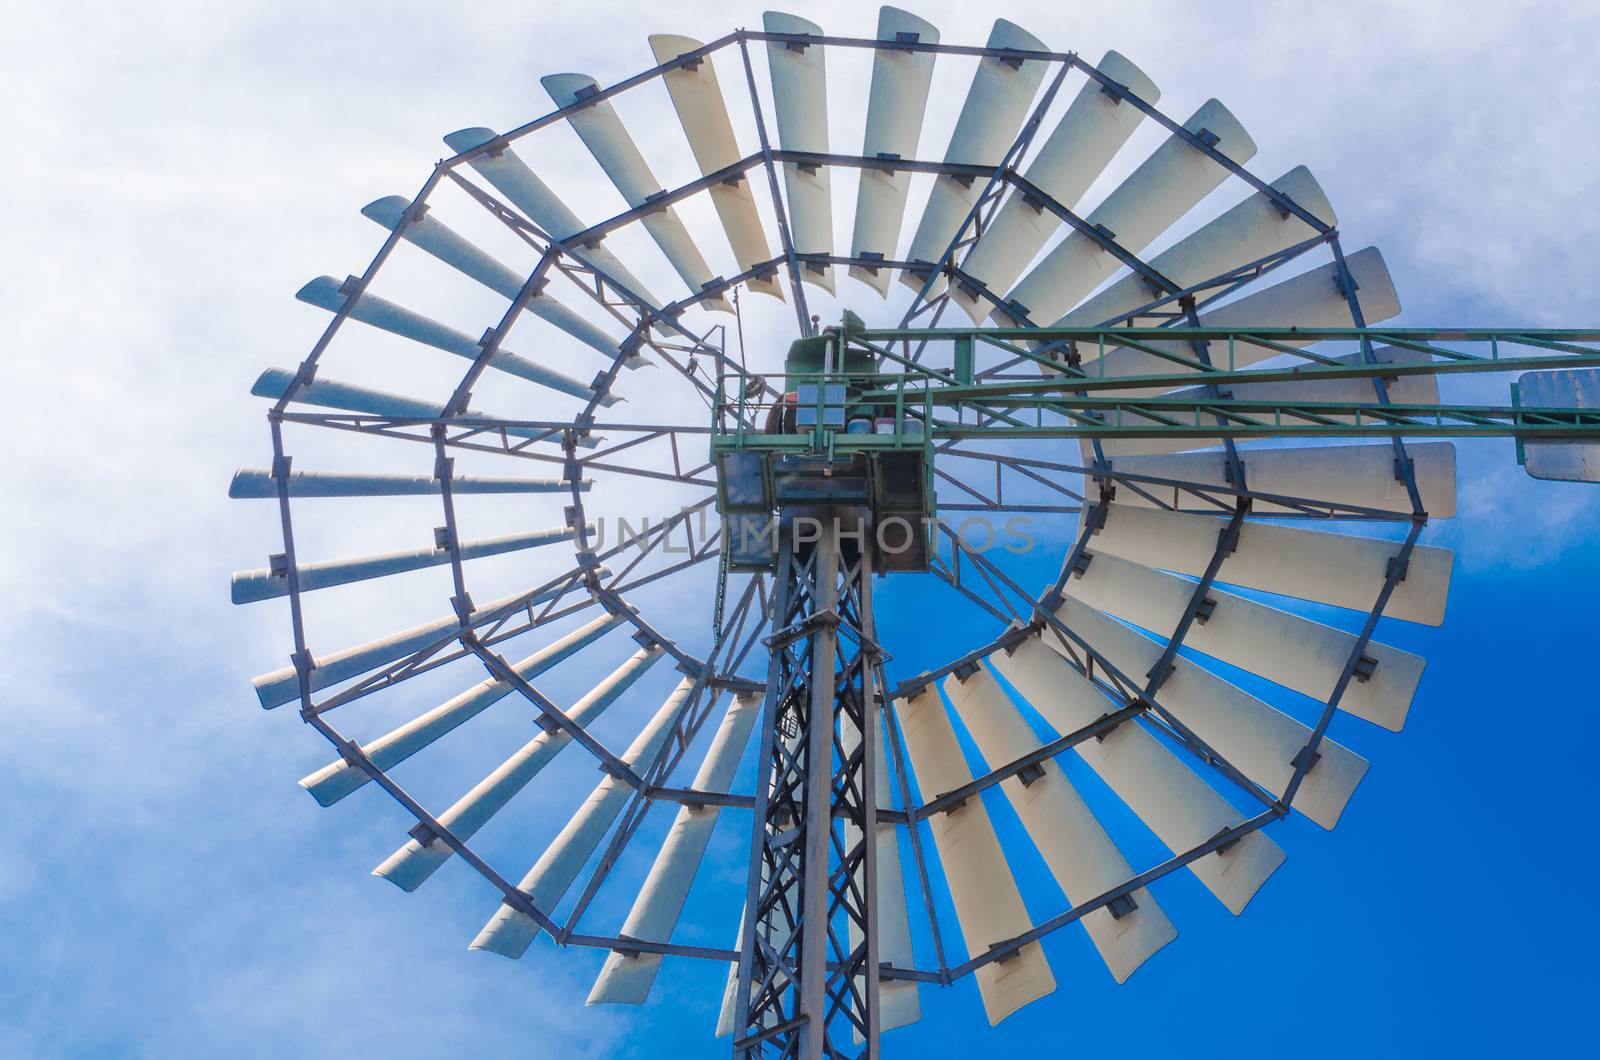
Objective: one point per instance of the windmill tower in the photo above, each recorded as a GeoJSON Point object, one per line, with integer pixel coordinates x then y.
{"type": "Point", "coordinates": [1121, 392]}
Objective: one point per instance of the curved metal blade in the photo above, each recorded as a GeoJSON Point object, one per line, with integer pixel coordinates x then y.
{"type": "Point", "coordinates": [800, 100]}
{"type": "Point", "coordinates": [603, 133]}
{"type": "Point", "coordinates": [996, 105]}
{"type": "Point", "coordinates": [703, 113]}
{"type": "Point", "coordinates": [895, 108]}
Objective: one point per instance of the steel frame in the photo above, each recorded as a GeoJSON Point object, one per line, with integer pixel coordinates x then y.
{"type": "Point", "coordinates": [989, 394]}
{"type": "Point", "coordinates": [808, 967]}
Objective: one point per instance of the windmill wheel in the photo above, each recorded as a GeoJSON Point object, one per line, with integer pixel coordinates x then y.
{"type": "Point", "coordinates": [511, 557]}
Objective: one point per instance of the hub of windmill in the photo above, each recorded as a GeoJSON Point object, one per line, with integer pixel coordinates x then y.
{"type": "Point", "coordinates": [818, 454]}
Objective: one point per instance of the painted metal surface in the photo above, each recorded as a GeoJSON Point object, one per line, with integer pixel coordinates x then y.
{"type": "Point", "coordinates": [1571, 461]}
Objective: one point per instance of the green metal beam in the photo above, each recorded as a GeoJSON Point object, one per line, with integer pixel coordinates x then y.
{"type": "Point", "coordinates": [1270, 420]}
{"type": "Point", "coordinates": [1065, 383]}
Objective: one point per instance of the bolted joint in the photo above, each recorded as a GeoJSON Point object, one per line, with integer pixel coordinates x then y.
{"type": "Point", "coordinates": [1118, 92]}
{"type": "Point", "coordinates": [1224, 848]}
{"type": "Point", "coordinates": [1164, 675]}
{"type": "Point", "coordinates": [1121, 906]}
{"type": "Point", "coordinates": [955, 807]}
{"type": "Point", "coordinates": [303, 662]}
{"type": "Point", "coordinates": [1100, 737]}
{"type": "Point", "coordinates": [1396, 569]}
{"type": "Point", "coordinates": [1080, 563]}
{"type": "Point", "coordinates": [1305, 759]}
{"type": "Point", "coordinates": [1008, 955]}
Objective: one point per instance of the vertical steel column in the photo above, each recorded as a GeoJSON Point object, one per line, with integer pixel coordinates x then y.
{"type": "Point", "coordinates": [823, 632]}
{"type": "Point", "coordinates": [852, 984]}
{"type": "Point", "coordinates": [808, 951]}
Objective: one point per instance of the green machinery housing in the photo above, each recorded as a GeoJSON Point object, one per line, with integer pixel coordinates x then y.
{"type": "Point", "coordinates": [823, 451]}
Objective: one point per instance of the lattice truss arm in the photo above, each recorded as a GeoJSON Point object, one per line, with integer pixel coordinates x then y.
{"type": "Point", "coordinates": [1169, 369]}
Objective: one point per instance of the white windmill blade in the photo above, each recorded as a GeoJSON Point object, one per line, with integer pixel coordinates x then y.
{"type": "Point", "coordinates": [607, 139]}
{"type": "Point", "coordinates": [258, 483]}
{"type": "Point", "coordinates": [283, 686]}
{"type": "Point", "coordinates": [730, 990]}
{"type": "Point", "coordinates": [1175, 177]}
{"type": "Point", "coordinates": [1262, 743]}
{"type": "Point", "coordinates": [410, 866]}
{"type": "Point", "coordinates": [1250, 231]}
{"type": "Point", "coordinates": [1338, 569]}
{"type": "Point", "coordinates": [1284, 648]}
{"type": "Point", "coordinates": [337, 779]}
{"type": "Point", "coordinates": [512, 178]}
{"type": "Point", "coordinates": [324, 292]}
{"type": "Point", "coordinates": [982, 888]}
{"type": "Point", "coordinates": [267, 584]}
{"type": "Point", "coordinates": [626, 979]}
{"type": "Point", "coordinates": [332, 394]}
{"type": "Point", "coordinates": [1567, 460]}
{"type": "Point", "coordinates": [898, 1002]}
{"type": "Point", "coordinates": [800, 103]}
{"type": "Point", "coordinates": [703, 113]}
{"type": "Point", "coordinates": [510, 931]}
{"type": "Point", "coordinates": [1090, 133]}
{"type": "Point", "coordinates": [791, 742]}
{"type": "Point", "coordinates": [1081, 856]}
{"type": "Point", "coordinates": [730, 994]}
{"type": "Point", "coordinates": [1176, 803]}
{"type": "Point", "coordinates": [995, 108]}
{"type": "Point", "coordinates": [1313, 299]}
{"type": "Point", "coordinates": [895, 107]}
{"type": "Point", "coordinates": [1361, 475]}
{"type": "Point", "coordinates": [1401, 390]}
{"type": "Point", "coordinates": [450, 247]}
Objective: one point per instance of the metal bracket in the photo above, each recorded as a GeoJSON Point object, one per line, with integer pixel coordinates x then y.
{"type": "Point", "coordinates": [1229, 845]}
{"type": "Point", "coordinates": [794, 632]}
{"type": "Point", "coordinates": [1305, 758]}
{"type": "Point", "coordinates": [1100, 737]}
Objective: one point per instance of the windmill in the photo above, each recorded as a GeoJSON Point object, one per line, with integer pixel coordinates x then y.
{"type": "Point", "coordinates": [1193, 417]}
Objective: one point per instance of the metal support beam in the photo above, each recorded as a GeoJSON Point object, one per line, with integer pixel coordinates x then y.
{"type": "Point", "coordinates": [808, 966]}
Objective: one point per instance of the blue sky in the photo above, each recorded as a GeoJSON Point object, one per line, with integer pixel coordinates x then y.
{"type": "Point", "coordinates": [166, 889]}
